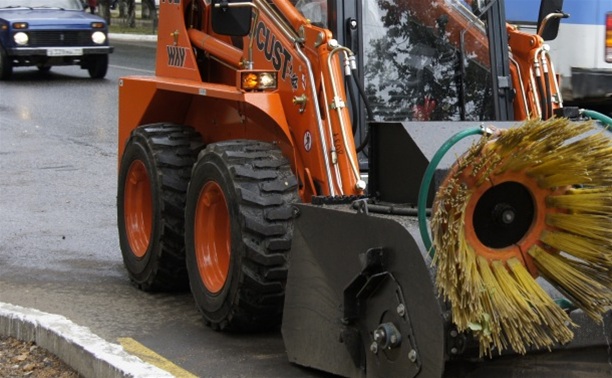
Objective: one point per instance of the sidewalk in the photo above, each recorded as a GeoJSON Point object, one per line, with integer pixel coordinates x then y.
{"type": "Point", "coordinates": [131, 37]}
{"type": "Point", "coordinates": [77, 346]}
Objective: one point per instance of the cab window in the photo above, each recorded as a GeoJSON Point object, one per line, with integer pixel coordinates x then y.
{"type": "Point", "coordinates": [313, 10]}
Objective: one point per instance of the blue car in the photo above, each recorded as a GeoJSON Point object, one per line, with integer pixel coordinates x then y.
{"type": "Point", "coordinates": [46, 33]}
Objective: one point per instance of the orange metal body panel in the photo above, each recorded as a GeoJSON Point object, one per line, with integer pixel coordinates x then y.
{"type": "Point", "coordinates": [217, 111]}
{"type": "Point", "coordinates": [191, 89]}
{"type": "Point", "coordinates": [526, 50]}
{"type": "Point", "coordinates": [272, 49]}
{"type": "Point", "coordinates": [290, 13]}
{"type": "Point", "coordinates": [227, 53]}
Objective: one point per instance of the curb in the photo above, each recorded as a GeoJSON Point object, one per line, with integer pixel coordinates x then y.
{"type": "Point", "coordinates": [77, 346]}
{"type": "Point", "coordinates": [132, 37]}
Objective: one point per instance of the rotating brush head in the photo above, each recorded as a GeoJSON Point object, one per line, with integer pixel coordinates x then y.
{"type": "Point", "coordinates": [535, 200]}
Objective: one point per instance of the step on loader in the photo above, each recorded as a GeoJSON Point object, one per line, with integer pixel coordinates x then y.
{"type": "Point", "coordinates": [395, 184]}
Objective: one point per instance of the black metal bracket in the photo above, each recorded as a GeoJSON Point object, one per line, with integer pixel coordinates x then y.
{"type": "Point", "coordinates": [500, 68]}
{"type": "Point", "coordinates": [375, 284]}
{"type": "Point", "coordinates": [364, 283]}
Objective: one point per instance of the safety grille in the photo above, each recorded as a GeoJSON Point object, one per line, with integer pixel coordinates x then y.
{"type": "Point", "coordinates": [60, 38]}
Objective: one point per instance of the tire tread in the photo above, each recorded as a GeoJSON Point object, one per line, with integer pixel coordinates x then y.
{"type": "Point", "coordinates": [174, 149]}
{"type": "Point", "coordinates": [266, 190]}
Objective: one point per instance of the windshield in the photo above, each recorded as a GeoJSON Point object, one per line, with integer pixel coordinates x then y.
{"type": "Point", "coordinates": [63, 4]}
{"type": "Point", "coordinates": [313, 10]}
{"type": "Point", "coordinates": [425, 60]}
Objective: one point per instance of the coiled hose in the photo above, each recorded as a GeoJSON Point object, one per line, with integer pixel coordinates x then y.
{"type": "Point", "coordinates": [426, 182]}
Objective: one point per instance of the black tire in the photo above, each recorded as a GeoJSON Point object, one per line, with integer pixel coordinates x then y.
{"type": "Point", "coordinates": [153, 177]}
{"type": "Point", "coordinates": [97, 65]}
{"type": "Point", "coordinates": [43, 69]}
{"type": "Point", "coordinates": [6, 68]}
{"type": "Point", "coordinates": [259, 189]}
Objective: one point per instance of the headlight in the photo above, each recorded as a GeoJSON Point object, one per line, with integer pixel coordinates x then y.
{"type": "Point", "coordinates": [21, 38]}
{"type": "Point", "coordinates": [98, 37]}
{"type": "Point", "coordinates": [258, 80]}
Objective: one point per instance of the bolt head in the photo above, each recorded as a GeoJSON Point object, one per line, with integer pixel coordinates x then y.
{"type": "Point", "coordinates": [401, 309]}
{"type": "Point", "coordinates": [412, 355]}
{"type": "Point", "coordinates": [508, 216]}
{"type": "Point", "coordinates": [374, 347]}
{"type": "Point", "coordinates": [379, 335]}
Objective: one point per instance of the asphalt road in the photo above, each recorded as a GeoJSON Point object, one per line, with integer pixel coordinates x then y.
{"type": "Point", "coordinates": [59, 248]}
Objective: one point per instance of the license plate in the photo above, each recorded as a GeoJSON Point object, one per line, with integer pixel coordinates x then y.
{"type": "Point", "coordinates": [65, 51]}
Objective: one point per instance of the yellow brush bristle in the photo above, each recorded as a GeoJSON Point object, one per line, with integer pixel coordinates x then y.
{"type": "Point", "coordinates": [593, 226]}
{"type": "Point", "coordinates": [500, 301]}
{"type": "Point", "coordinates": [589, 200]}
{"type": "Point", "coordinates": [522, 326]}
{"type": "Point", "coordinates": [552, 316]}
{"type": "Point", "coordinates": [534, 141]}
{"type": "Point", "coordinates": [494, 306]}
{"type": "Point", "coordinates": [587, 249]}
{"type": "Point", "coordinates": [589, 294]}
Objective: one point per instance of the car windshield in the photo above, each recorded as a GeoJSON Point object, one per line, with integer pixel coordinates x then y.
{"type": "Point", "coordinates": [62, 4]}
{"type": "Point", "coordinates": [426, 60]}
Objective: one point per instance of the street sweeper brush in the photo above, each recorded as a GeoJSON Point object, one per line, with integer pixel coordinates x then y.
{"type": "Point", "coordinates": [527, 202]}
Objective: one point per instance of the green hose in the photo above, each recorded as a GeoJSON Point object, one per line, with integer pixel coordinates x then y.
{"type": "Point", "coordinates": [426, 182]}
{"type": "Point", "coordinates": [598, 116]}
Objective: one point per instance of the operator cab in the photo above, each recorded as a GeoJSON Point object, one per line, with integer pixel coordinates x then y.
{"type": "Point", "coordinates": [427, 61]}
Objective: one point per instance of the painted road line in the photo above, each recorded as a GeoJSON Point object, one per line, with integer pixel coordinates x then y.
{"type": "Point", "coordinates": [137, 349]}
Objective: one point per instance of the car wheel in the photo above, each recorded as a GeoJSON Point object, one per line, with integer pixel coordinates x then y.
{"type": "Point", "coordinates": [153, 176]}
{"type": "Point", "coordinates": [43, 69]}
{"type": "Point", "coordinates": [97, 66]}
{"type": "Point", "coordinates": [6, 68]}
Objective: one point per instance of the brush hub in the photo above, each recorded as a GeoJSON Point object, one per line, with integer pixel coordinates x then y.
{"type": "Point", "coordinates": [503, 215]}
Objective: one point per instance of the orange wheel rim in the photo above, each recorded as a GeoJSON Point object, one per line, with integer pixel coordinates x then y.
{"type": "Point", "coordinates": [212, 237]}
{"type": "Point", "coordinates": [138, 211]}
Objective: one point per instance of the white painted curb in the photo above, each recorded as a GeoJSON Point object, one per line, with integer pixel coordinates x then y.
{"type": "Point", "coordinates": [131, 37]}
{"type": "Point", "coordinates": [84, 351]}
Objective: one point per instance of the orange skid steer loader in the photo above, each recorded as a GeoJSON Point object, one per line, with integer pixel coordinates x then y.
{"type": "Point", "coordinates": [288, 162]}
